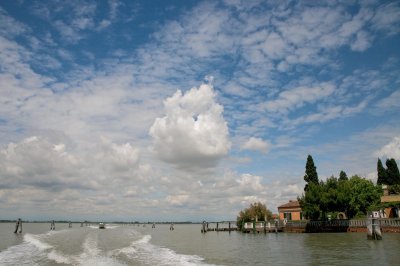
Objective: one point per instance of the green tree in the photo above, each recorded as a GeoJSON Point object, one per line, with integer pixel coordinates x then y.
{"type": "Point", "coordinates": [353, 197]}
{"type": "Point", "coordinates": [392, 172]}
{"type": "Point", "coordinates": [344, 197]}
{"type": "Point", "coordinates": [343, 176]}
{"type": "Point", "coordinates": [382, 175]}
{"type": "Point", "coordinates": [256, 209]}
{"type": "Point", "coordinates": [310, 201]}
{"type": "Point", "coordinates": [363, 195]}
{"type": "Point", "coordinates": [311, 175]}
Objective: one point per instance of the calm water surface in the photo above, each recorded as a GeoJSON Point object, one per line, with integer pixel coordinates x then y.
{"type": "Point", "coordinates": [133, 245]}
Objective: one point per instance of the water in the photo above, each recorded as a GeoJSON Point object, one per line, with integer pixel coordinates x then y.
{"type": "Point", "coordinates": [133, 245]}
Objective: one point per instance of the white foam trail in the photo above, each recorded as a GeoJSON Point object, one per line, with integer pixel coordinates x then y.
{"type": "Point", "coordinates": [89, 246]}
{"type": "Point", "coordinates": [91, 254]}
{"type": "Point", "coordinates": [34, 240]}
{"type": "Point", "coordinates": [93, 226]}
{"type": "Point", "coordinates": [53, 254]}
{"type": "Point", "coordinates": [144, 240]}
{"type": "Point", "coordinates": [59, 257]}
{"type": "Point", "coordinates": [33, 249]}
{"type": "Point", "coordinates": [148, 254]}
{"type": "Point", "coordinates": [109, 226]}
{"type": "Point", "coordinates": [22, 254]}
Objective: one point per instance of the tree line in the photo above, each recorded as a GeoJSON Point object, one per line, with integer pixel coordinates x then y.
{"type": "Point", "coordinates": [353, 196]}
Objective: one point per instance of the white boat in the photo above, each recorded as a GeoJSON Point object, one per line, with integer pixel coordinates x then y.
{"type": "Point", "coordinates": [102, 226]}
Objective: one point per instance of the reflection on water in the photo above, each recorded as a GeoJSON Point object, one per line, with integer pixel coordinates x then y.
{"type": "Point", "coordinates": [132, 245]}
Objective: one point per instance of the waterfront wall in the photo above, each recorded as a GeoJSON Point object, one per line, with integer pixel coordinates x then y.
{"type": "Point", "coordinates": [355, 225]}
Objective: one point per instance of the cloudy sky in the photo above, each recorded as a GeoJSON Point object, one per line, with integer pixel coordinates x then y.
{"type": "Point", "coordinates": [189, 110]}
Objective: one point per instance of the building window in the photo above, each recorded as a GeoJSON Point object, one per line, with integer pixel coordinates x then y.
{"type": "Point", "coordinates": [287, 216]}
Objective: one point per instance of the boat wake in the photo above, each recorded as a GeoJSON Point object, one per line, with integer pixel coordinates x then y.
{"type": "Point", "coordinates": [145, 253]}
{"type": "Point", "coordinates": [50, 248]}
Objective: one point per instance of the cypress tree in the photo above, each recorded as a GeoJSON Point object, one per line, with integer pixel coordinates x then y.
{"type": "Point", "coordinates": [343, 176]}
{"type": "Point", "coordinates": [311, 175]}
{"type": "Point", "coordinates": [392, 172]}
{"type": "Point", "coordinates": [382, 175]}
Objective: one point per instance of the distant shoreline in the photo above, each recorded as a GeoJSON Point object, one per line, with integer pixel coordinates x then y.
{"type": "Point", "coordinates": [114, 222]}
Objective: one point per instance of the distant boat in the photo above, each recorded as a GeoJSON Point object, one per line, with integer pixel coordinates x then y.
{"type": "Point", "coordinates": [102, 226]}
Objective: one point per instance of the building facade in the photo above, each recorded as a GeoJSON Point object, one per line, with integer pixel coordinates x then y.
{"type": "Point", "coordinates": [290, 211]}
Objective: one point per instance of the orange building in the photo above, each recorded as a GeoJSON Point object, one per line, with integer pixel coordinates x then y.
{"type": "Point", "coordinates": [290, 211]}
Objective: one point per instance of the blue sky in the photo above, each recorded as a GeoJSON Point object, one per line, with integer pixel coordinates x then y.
{"type": "Point", "coordinates": [189, 110]}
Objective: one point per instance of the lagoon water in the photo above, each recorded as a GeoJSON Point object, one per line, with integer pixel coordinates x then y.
{"type": "Point", "coordinates": [138, 245]}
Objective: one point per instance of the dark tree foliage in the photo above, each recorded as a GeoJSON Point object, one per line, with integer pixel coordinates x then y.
{"type": "Point", "coordinates": [311, 175]}
{"type": "Point", "coordinates": [343, 176]}
{"type": "Point", "coordinates": [256, 209]}
{"type": "Point", "coordinates": [310, 201]}
{"type": "Point", "coordinates": [353, 197]}
{"type": "Point", "coordinates": [392, 172]}
{"type": "Point", "coordinates": [382, 175]}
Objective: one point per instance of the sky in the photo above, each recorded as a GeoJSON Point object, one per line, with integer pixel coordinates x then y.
{"type": "Point", "coordinates": [190, 110]}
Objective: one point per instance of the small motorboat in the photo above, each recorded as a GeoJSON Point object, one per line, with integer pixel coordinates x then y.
{"type": "Point", "coordinates": [102, 226]}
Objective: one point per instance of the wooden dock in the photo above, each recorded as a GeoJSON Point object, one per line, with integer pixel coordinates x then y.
{"type": "Point", "coordinates": [218, 227]}
{"type": "Point", "coordinates": [250, 227]}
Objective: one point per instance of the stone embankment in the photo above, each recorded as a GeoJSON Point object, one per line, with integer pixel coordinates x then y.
{"type": "Point", "coordinates": [356, 225]}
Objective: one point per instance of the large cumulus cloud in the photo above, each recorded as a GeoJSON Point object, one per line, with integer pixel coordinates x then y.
{"type": "Point", "coordinates": [193, 132]}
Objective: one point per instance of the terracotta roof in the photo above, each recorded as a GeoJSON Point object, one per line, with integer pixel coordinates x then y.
{"type": "Point", "coordinates": [290, 204]}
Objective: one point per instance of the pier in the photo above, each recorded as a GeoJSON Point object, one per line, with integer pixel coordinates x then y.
{"type": "Point", "coordinates": [263, 227]}
{"type": "Point", "coordinates": [218, 227]}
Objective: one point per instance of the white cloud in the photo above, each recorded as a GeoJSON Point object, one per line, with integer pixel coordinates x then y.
{"type": "Point", "coordinates": [51, 173]}
{"type": "Point", "coordinates": [251, 181]}
{"type": "Point", "coordinates": [387, 17]}
{"type": "Point", "coordinates": [120, 157]}
{"type": "Point", "coordinates": [256, 144]}
{"type": "Point", "coordinates": [391, 102]}
{"type": "Point", "coordinates": [362, 42]}
{"type": "Point", "coordinates": [9, 26]}
{"type": "Point", "coordinates": [193, 133]}
{"type": "Point", "coordinates": [390, 150]}
{"type": "Point", "coordinates": [37, 162]}
{"type": "Point", "coordinates": [297, 97]}
{"type": "Point", "coordinates": [177, 199]}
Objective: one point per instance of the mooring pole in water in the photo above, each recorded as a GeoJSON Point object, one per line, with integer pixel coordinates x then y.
{"type": "Point", "coordinates": [203, 228]}
{"type": "Point", "coordinates": [254, 226]}
{"type": "Point", "coordinates": [17, 225]}
{"type": "Point", "coordinates": [265, 227]}
{"type": "Point", "coordinates": [217, 227]}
